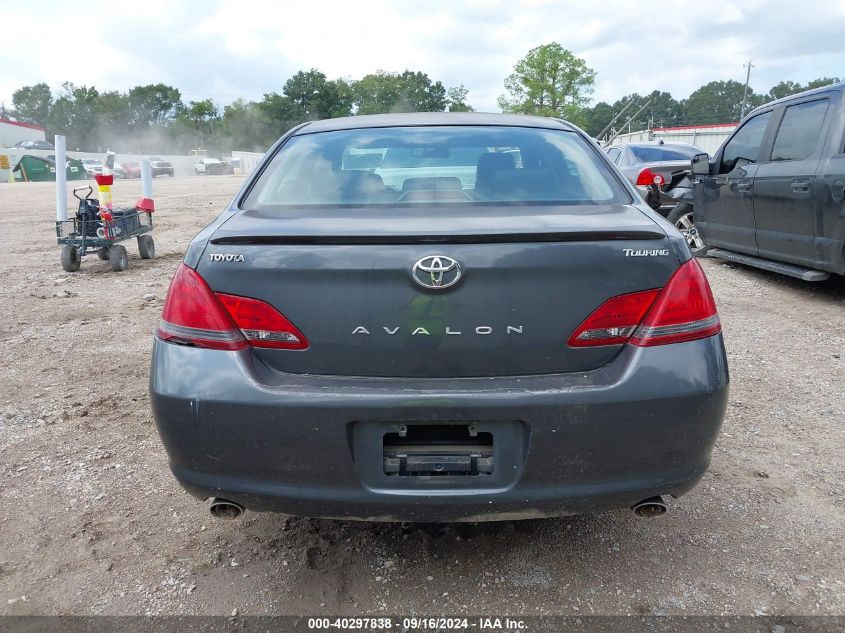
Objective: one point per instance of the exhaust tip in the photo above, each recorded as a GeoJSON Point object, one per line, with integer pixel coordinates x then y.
{"type": "Point", "coordinates": [224, 509]}
{"type": "Point", "coordinates": [651, 507]}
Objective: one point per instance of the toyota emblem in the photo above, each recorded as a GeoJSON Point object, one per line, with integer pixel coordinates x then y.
{"type": "Point", "coordinates": [436, 272]}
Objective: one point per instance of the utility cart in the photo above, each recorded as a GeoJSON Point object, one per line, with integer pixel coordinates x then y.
{"type": "Point", "coordinates": [89, 231]}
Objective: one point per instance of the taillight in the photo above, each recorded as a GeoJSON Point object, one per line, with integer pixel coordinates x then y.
{"type": "Point", "coordinates": [684, 310]}
{"type": "Point", "coordinates": [614, 321]}
{"type": "Point", "coordinates": [262, 324]}
{"type": "Point", "coordinates": [648, 177]}
{"type": "Point", "coordinates": [194, 315]}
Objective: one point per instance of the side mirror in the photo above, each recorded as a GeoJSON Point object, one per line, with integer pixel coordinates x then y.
{"type": "Point", "coordinates": [700, 164]}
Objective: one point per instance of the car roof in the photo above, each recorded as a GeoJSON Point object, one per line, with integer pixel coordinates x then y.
{"type": "Point", "coordinates": [659, 144]}
{"type": "Point", "coordinates": [838, 87]}
{"type": "Point", "coordinates": [413, 119]}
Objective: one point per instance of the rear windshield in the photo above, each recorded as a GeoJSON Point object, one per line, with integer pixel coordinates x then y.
{"type": "Point", "coordinates": [434, 166]}
{"type": "Point", "coordinates": [657, 154]}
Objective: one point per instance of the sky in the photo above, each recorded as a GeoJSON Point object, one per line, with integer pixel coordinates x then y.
{"type": "Point", "coordinates": [224, 50]}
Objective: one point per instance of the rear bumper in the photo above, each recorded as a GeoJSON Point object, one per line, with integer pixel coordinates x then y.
{"type": "Point", "coordinates": [643, 425]}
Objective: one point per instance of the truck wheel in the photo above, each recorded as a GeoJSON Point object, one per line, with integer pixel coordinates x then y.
{"type": "Point", "coordinates": [118, 258]}
{"type": "Point", "coordinates": [71, 258]}
{"type": "Point", "coordinates": [146, 246]}
{"type": "Point", "coordinates": [682, 217]}
{"type": "Point", "coordinates": [103, 253]}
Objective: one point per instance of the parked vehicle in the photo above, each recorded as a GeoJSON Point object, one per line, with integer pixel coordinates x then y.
{"type": "Point", "coordinates": [92, 166]}
{"type": "Point", "coordinates": [773, 195]}
{"type": "Point", "coordinates": [680, 188]}
{"type": "Point", "coordinates": [34, 145]}
{"type": "Point", "coordinates": [160, 167]}
{"type": "Point", "coordinates": [486, 323]}
{"type": "Point", "coordinates": [213, 166]}
{"type": "Point", "coordinates": [132, 170]}
{"type": "Point", "coordinates": [649, 166]}
{"type": "Point", "coordinates": [119, 171]}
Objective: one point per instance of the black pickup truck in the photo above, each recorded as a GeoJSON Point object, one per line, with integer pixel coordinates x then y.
{"type": "Point", "coordinates": [773, 195]}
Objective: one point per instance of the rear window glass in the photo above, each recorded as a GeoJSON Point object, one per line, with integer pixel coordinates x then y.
{"type": "Point", "coordinates": [436, 166]}
{"type": "Point", "coordinates": [657, 154]}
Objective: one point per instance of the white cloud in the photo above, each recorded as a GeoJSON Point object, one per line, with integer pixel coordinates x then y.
{"type": "Point", "coordinates": [224, 49]}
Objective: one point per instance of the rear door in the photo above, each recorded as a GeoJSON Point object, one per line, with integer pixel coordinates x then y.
{"type": "Point", "coordinates": [785, 197]}
{"type": "Point", "coordinates": [724, 207]}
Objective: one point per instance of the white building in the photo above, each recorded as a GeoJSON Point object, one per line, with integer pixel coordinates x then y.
{"type": "Point", "coordinates": [12, 132]}
{"type": "Point", "coordinates": [707, 137]}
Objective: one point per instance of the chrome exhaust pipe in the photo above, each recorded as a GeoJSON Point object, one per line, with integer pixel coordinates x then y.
{"type": "Point", "coordinates": [651, 507]}
{"type": "Point", "coordinates": [225, 509]}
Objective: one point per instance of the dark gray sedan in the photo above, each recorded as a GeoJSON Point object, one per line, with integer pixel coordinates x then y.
{"type": "Point", "coordinates": [438, 317]}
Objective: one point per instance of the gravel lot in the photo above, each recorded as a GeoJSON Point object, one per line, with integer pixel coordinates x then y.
{"type": "Point", "coordinates": [93, 523]}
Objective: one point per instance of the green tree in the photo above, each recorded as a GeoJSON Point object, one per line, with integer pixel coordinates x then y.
{"type": "Point", "coordinates": [317, 97]}
{"type": "Point", "coordinates": [549, 81]}
{"type": "Point", "coordinates": [456, 99]}
{"type": "Point", "coordinates": [196, 122]}
{"type": "Point", "coordinates": [663, 111]}
{"type": "Point", "coordinates": [597, 117]}
{"type": "Point", "coordinates": [75, 115]}
{"type": "Point", "coordinates": [245, 126]}
{"type": "Point", "coordinates": [154, 104]}
{"type": "Point", "coordinates": [113, 110]}
{"type": "Point", "coordinates": [821, 82]}
{"type": "Point", "coordinates": [408, 91]}
{"type": "Point", "coordinates": [31, 104]}
{"type": "Point", "coordinates": [784, 89]}
{"type": "Point", "coordinates": [281, 110]}
{"type": "Point", "coordinates": [716, 102]}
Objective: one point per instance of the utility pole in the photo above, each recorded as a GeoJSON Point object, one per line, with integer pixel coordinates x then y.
{"type": "Point", "coordinates": [749, 66]}
{"type": "Point", "coordinates": [613, 120]}
{"type": "Point", "coordinates": [628, 123]}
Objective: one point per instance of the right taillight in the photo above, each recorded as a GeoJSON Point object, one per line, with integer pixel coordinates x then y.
{"type": "Point", "coordinates": [647, 177]}
{"type": "Point", "coordinates": [194, 315]}
{"type": "Point", "coordinates": [684, 310]}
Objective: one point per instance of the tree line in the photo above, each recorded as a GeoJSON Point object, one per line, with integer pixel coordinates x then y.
{"type": "Point", "coordinates": [549, 81]}
{"type": "Point", "coordinates": [552, 81]}
{"type": "Point", "coordinates": [155, 118]}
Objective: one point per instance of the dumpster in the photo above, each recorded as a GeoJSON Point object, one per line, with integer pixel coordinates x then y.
{"type": "Point", "coordinates": [35, 169]}
{"type": "Point", "coordinates": [76, 170]}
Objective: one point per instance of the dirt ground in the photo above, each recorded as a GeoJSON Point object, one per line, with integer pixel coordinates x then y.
{"type": "Point", "coordinates": [91, 521]}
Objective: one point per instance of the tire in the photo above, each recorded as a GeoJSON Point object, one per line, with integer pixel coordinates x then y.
{"type": "Point", "coordinates": [682, 217]}
{"type": "Point", "coordinates": [103, 253]}
{"type": "Point", "coordinates": [71, 259]}
{"type": "Point", "coordinates": [146, 246]}
{"type": "Point", "coordinates": [118, 258]}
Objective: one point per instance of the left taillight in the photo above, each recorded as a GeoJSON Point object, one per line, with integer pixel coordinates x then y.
{"type": "Point", "coordinates": [614, 321]}
{"type": "Point", "coordinates": [192, 315]}
{"type": "Point", "coordinates": [195, 315]}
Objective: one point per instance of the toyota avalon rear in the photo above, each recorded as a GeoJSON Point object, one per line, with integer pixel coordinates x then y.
{"type": "Point", "coordinates": [438, 317]}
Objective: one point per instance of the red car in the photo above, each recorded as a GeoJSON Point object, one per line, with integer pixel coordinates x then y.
{"type": "Point", "coordinates": [131, 170]}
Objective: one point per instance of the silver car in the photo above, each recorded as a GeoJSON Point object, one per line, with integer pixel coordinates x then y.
{"type": "Point", "coordinates": [646, 164]}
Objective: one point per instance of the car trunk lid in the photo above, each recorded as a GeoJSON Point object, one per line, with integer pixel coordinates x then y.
{"type": "Point", "coordinates": [528, 277]}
